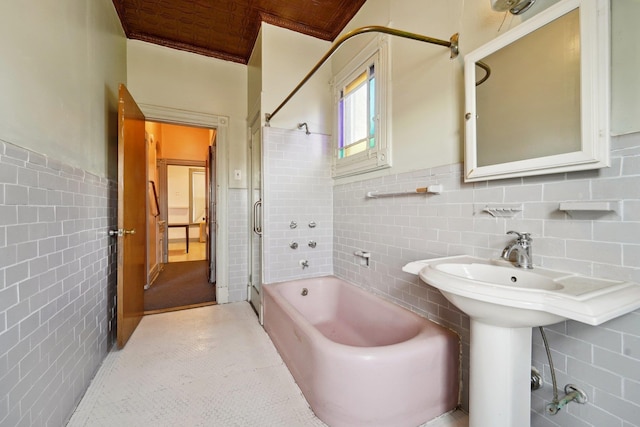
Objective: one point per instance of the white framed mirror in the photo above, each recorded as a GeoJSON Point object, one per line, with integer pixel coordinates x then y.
{"type": "Point", "coordinates": [544, 106]}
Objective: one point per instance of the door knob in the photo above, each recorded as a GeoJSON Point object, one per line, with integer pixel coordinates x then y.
{"type": "Point", "coordinates": [121, 232]}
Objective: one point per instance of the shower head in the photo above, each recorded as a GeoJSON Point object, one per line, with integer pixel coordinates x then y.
{"type": "Point", "coordinates": [516, 7]}
{"type": "Point", "coordinates": [306, 128]}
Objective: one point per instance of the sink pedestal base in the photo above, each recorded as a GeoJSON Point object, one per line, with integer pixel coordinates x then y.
{"type": "Point", "coordinates": [499, 382]}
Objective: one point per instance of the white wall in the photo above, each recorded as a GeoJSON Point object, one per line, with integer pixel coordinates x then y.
{"type": "Point", "coordinates": [62, 62]}
{"type": "Point", "coordinates": [287, 57]}
{"type": "Point", "coordinates": [175, 79]}
{"type": "Point", "coordinates": [254, 84]}
{"type": "Point", "coordinates": [625, 63]}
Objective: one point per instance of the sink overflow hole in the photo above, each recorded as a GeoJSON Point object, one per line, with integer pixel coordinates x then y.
{"type": "Point", "coordinates": [514, 279]}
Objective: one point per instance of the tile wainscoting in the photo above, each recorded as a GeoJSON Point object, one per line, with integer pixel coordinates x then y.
{"type": "Point", "coordinates": [603, 360]}
{"type": "Point", "coordinates": [57, 284]}
{"type": "Point", "coordinates": [238, 244]}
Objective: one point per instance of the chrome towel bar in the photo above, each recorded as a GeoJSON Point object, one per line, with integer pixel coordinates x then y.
{"type": "Point", "coordinates": [432, 189]}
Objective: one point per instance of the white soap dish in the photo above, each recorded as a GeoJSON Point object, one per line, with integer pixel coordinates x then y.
{"type": "Point", "coordinates": [502, 211]}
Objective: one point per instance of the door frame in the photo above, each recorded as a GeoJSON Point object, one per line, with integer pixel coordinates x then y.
{"type": "Point", "coordinates": [157, 113]}
{"type": "Point", "coordinates": [163, 165]}
{"type": "Point", "coordinates": [212, 218]}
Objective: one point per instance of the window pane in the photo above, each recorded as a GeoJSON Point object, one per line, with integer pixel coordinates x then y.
{"type": "Point", "coordinates": [355, 115]}
{"type": "Point", "coordinates": [356, 148]}
{"type": "Point", "coordinates": [372, 106]}
{"type": "Point", "coordinates": [341, 124]}
{"type": "Point", "coordinates": [355, 83]}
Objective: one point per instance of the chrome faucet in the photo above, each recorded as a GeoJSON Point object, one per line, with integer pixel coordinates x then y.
{"type": "Point", "coordinates": [522, 247]}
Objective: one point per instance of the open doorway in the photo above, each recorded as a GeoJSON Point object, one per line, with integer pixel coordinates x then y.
{"type": "Point", "coordinates": [181, 227]}
{"type": "Point", "coordinates": [186, 213]}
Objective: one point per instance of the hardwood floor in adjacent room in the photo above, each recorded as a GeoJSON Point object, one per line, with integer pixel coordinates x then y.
{"type": "Point", "coordinates": [180, 285]}
{"type": "Point", "coordinates": [178, 253]}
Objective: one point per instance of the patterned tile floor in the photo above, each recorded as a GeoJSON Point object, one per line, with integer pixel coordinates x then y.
{"type": "Point", "coordinates": [210, 366]}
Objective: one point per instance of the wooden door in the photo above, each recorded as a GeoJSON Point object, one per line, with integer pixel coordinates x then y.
{"type": "Point", "coordinates": [211, 212]}
{"type": "Point", "coordinates": [131, 233]}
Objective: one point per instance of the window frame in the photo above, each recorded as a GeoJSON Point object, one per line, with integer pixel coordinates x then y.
{"type": "Point", "coordinates": [375, 54]}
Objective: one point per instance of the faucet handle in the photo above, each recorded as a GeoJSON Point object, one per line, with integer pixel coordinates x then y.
{"type": "Point", "coordinates": [521, 236]}
{"type": "Point", "coordinates": [515, 232]}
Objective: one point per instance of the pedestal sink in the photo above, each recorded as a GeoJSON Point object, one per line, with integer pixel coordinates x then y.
{"type": "Point", "coordinates": [504, 303]}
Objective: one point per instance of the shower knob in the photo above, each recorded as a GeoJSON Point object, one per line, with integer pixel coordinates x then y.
{"type": "Point", "coordinates": [293, 245]}
{"type": "Point", "coordinates": [312, 243]}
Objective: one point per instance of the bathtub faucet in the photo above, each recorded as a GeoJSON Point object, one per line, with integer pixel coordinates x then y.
{"type": "Point", "coordinates": [522, 247]}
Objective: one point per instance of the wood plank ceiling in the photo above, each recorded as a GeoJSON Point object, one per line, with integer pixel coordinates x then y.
{"type": "Point", "coordinates": [227, 29]}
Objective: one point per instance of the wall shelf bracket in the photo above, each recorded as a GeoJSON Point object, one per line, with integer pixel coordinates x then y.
{"type": "Point", "coordinates": [590, 206]}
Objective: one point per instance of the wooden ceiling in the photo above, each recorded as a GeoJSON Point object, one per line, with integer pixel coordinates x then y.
{"type": "Point", "coordinates": [227, 29]}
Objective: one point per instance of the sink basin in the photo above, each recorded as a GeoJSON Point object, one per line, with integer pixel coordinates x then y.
{"type": "Point", "coordinates": [495, 292]}
{"type": "Point", "coordinates": [503, 303]}
{"type": "Point", "coordinates": [500, 276]}
{"type": "Point", "coordinates": [501, 281]}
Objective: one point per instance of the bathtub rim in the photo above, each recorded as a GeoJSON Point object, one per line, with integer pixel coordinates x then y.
{"type": "Point", "coordinates": [424, 324]}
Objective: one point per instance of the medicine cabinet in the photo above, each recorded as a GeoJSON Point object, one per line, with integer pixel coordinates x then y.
{"type": "Point", "coordinates": [537, 97]}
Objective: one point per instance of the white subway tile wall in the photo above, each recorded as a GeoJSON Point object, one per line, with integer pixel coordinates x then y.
{"type": "Point", "coordinates": [297, 187]}
{"type": "Point", "coordinates": [238, 244]}
{"type": "Point", "coordinates": [57, 284]}
{"type": "Point", "coordinates": [603, 360]}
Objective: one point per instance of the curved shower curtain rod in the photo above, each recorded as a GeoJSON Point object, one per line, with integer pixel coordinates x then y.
{"type": "Point", "coordinates": [452, 44]}
{"type": "Point", "coordinates": [487, 72]}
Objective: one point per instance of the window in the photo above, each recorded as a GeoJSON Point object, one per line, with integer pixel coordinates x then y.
{"type": "Point", "coordinates": [360, 106]}
{"type": "Point", "coordinates": [357, 114]}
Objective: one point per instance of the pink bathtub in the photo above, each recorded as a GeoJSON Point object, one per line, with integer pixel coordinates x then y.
{"type": "Point", "coordinates": [360, 360]}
